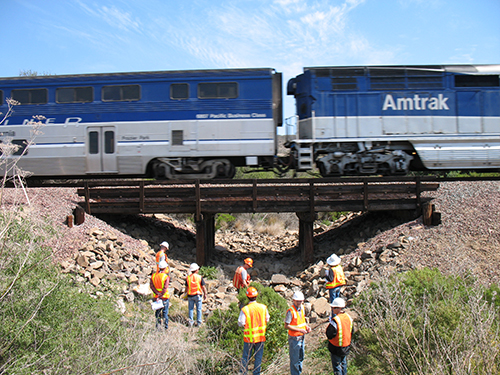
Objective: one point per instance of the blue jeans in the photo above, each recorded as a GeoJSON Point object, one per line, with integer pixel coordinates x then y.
{"type": "Point", "coordinates": [334, 293]}
{"type": "Point", "coordinates": [339, 364]}
{"type": "Point", "coordinates": [296, 349]}
{"type": "Point", "coordinates": [192, 301]}
{"type": "Point", "coordinates": [158, 314]}
{"type": "Point", "coordinates": [258, 351]}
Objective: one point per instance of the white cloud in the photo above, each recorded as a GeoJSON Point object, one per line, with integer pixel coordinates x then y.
{"type": "Point", "coordinates": [113, 16]}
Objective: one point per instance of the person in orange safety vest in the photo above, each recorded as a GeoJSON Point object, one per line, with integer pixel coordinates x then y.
{"type": "Point", "coordinates": [241, 277]}
{"type": "Point", "coordinates": [339, 333]}
{"type": "Point", "coordinates": [159, 285]}
{"type": "Point", "coordinates": [254, 318]}
{"type": "Point", "coordinates": [335, 277]}
{"type": "Point", "coordinates": [195, 288]}
{"type": "Point", "coordinates": [162, 255]}
{"type": "Point", "coordinates": [295, 322]}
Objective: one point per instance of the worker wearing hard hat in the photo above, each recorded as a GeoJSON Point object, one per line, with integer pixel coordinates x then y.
{"type": "Point", "coordinates": [241, 277]}
{"type": "Point", "coordinates": [339, 332]}
{"type": "Point", "coordinates": [162, 255]}
{"type": "Point", "coordinates": [295, 322]}
{"type": "Point", "coordinates": [335, 277]}
{"type": "Point", "coordinates": [159, 286]}
{"type": "Point", "coordinates": [253, 317]}
{"type": "Point", "coordinates": [195, 288]}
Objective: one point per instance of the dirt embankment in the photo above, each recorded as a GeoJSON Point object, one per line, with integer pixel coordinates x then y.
{"type": "Point", "coordinates": [467, 240]}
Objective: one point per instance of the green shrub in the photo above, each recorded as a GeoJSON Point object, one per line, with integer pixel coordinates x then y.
{"type": "Point", "coordinates": [225, 332]}
{"type": "Point", "coordinates": [223, 220]}
{"type": "Point", "coordinates": [423, 322]}
{"type": "Point", "coordinates": [48, 324]}
{"type": "Point", "coordinates": [209, 272]}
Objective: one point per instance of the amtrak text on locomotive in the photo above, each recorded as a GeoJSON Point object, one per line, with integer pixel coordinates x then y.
{"type": "Point", "coordinates": [416, 103]}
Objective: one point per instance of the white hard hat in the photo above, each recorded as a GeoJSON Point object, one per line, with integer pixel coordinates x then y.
{"type": "Point", "coordinates": [193, 267]}
{"type": "Point", "coordinates": [338, 302]}
{"type": "Point", "coordinates": [333, 260]}
{"type": "Point", "coordinates": [165, 244]}
{"type": "Point", "coordinates": [298, 296]}
{"type": "Point", "coordinates": [162, 264]}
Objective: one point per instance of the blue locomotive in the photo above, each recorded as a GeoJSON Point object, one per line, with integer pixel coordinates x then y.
{"type": "Point", "coordinates": [392, 119]}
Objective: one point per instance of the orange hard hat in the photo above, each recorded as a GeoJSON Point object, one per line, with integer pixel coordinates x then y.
{"type": "Point", "coordinates": [252, 292]}
{"type": "Point", "coordinates": [249, 261]}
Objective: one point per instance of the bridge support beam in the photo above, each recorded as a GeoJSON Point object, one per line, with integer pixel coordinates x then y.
{"type": "Point", "coordinates": [306, 240]}
{"type": "Point", "coordinates": [205, 238]}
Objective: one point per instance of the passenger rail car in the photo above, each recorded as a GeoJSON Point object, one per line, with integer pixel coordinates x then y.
{"type": "Point", "coordinates": [391, 119]}
{"type": "Point", "coordinates": [176, 124]}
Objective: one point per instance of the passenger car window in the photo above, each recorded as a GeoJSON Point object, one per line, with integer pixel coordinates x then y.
{"type": "Point", "coordinates": [179, 91]}
{"type": "Point", "coordinates": [74, 95]}
{"type": "Point", "coordinates": [218, 90]}
{"type": "Point", "coordinates": [121, 93]}
{"type": "Point", "coordinates": [30, 96]}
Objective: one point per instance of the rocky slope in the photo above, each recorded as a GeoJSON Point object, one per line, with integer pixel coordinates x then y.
{"type": "Point", "coordinates": [372, 246]}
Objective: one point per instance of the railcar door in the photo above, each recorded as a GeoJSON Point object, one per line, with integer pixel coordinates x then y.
{"type": "Point", "coordinates": [101, 149]}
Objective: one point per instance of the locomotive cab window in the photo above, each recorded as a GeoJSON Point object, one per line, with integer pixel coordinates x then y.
{"type": "Point", "coordinates": [121, 93]}
{"type": "Point", "coordinates": [30, 96]}
{"type": "Point", "coordinates": [477, 81]}
{"type": "Point", "coordinates": [179, 91]}
{"type": "Point", "coordinates": [74, 95]}
{"type": "Point", "coordinates": [218, 90]}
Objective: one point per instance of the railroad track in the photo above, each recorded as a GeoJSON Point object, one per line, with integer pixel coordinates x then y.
{"type": "Point", "coordinates": [107, 181]}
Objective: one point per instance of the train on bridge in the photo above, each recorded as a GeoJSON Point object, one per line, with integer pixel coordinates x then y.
{"type": "Point", "coordinates": [202, 124]}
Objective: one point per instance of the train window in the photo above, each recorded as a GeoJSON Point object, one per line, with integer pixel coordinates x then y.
{"type": "Point", "coordinates": [21, 143]}
{"type": "Point", "coordinates": [30, 96]}
{"type": "Point", "coordinates": [477, 81]}
{"type": "Point", "coordinates": [121, 93]}
{"type": "Point", "coordinates": [218, 90]}
{"type": "Point", "coordinates": [109, 142]}
{"type": "Point", "coordinates": [179, 91]}
{"type": "Point", "coordinates": [1, 97]}
{"type": "Point", "coordinates": [177, 138]}
{"type": "Point", "coordinates": [93, 142]}
{"type": "Point", "coordinates": [74, 95]}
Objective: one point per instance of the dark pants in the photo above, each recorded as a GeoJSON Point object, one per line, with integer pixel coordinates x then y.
{"type": "Point", "coordinates": [257, 350]}
{"type": "Point", "coordinates": [339, 364]}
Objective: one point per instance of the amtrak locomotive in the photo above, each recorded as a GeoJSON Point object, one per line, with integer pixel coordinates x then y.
{"type": "Point", "coordinates": [203, 124]}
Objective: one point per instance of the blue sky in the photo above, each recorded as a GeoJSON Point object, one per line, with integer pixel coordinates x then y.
{"type": "Point", "coordinates": [89, 36]}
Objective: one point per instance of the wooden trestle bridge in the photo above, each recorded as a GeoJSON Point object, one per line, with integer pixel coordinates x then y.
{"type": "Point", "coordinates": [305, 197]}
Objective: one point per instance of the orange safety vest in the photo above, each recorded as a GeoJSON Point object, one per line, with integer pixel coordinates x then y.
{"type": "Point", "coordinates": [255, 322]}
{"type": "Point", "coordinates": [161, 255]}
{"type": "Point", "coordinates": [338, 277]}
{"type": "Point", "coordinates": [344, 330]}
{"type": "Point", "coordinates": [194, 284]}
{"type": "Point", "coordinates": [298, 320]}
{"type": "Point", "coordinates": [159, 280]}
{"type": "Point", "coordinates": [238, 280]}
